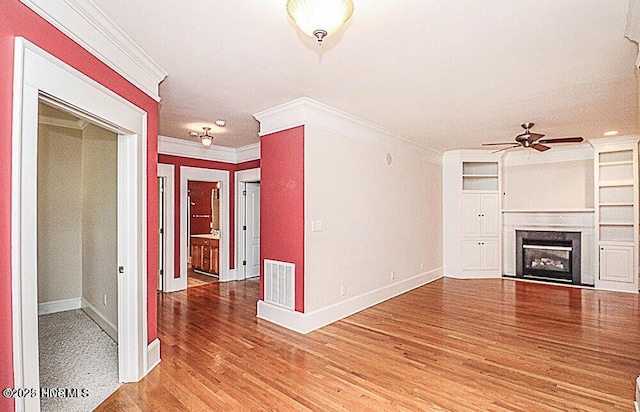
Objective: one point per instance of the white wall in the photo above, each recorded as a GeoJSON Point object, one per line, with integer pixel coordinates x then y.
{"type": "Point", "coordinates": [548, 186]}
{"type": "Point", "coordinates": [376, 218]}
{"type": "Point", "coordinates": [59, 211]}
{"type": "Point", "coordinates": [99, 223]}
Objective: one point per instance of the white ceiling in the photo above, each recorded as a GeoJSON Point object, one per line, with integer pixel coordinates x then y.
{"type": "Point", "coordinates": [448, 74]}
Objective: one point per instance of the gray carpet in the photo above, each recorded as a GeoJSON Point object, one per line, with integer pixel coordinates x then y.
{"type": "Point", "coordinates": [76, 353]}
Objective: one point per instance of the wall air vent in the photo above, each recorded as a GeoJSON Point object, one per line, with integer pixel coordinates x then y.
{"type": "Point", "coordinates": [279, 283]}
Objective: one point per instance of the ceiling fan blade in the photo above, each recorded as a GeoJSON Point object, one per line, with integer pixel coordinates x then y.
{"type": "Point", "coordinates": [562, 140]}
{"type": "Point", "coordinates": [499, 144]}
{"type": "Point", "coordinates": [513, 146]}
{"type": "Point", "coordinates": [540, 147]}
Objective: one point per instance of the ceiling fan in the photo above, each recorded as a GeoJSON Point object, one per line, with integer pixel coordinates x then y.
{"type": "Point", "coordinates": [533, 140]}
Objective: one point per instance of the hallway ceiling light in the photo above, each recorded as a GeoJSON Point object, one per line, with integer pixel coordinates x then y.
{"type": "Point", "coordinates": [319, 18]}
{"type": "Point", "coordinates": [221, 123]}
{"type": "Point", "coordinates": [206, 139]}
{"type": "Point", "coordinates": [610, 133]}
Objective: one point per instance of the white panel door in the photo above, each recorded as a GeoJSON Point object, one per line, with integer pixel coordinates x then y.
{"type": "Point", "coordinates": [471, 255]}
{"type": "Point", "coordinates": [616, 263]}
{"type": "Point", "coordinates": [489, 215]}
{"type": "Point", "coordinates": [490, 254]}
{"type": "Point", "coordinates": [471, 215]}
{"type": "Point", "coordinates": [252, 234]}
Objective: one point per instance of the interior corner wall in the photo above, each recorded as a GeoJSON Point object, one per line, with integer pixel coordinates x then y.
{"type": "Point", "coordinates": [376, 218]}
{"type": "Point", "coordinates": [59, 212]}
{"type": "Point", "coordinates": [549, 186]}
{"type": "Point", "coordinates": [99, 224]}
{"type": "Point", "coordinates": [16, 19]}
{"type": "Point", "coordinates": [282, 215]}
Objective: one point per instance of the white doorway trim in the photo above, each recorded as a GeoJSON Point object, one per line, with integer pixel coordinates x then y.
{"type": "Point", "coordinates": [204, 175]}
{"type": "Point", "coordinates": [242, 176]}
{"type": "Point", "coordinates": [36, 74]}
{"type": "Point", "coordinates": [170, 284]}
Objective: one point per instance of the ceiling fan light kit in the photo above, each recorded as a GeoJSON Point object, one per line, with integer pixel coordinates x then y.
{"type": "Point", "coordinates": [319, 18]}
{"type": "Point", "coordinates": [532, 140]}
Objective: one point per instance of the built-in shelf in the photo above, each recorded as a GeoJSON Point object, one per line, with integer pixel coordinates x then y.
{"type": "Point", "coordinates": [585, 210]}
{"type": "Point", "coordinates": [616, 183]}
{"type": "Point", "coordinates": [620, 163]}
{"type": "Point", "coordinates": [480, 176]}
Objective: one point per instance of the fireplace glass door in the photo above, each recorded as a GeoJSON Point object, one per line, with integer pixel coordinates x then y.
{"type": "Point", "coordinates": [547, 261]}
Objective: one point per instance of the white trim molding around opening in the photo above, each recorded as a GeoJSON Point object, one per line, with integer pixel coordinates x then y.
{"type": "Point", "coordinates": [204, 175]}
{"type": "Point", "coordinates": [37, 74]}
{"type": "Point", "coordinates": [241, 177]}
{"type": "Point", "coordinates": [170, 283]}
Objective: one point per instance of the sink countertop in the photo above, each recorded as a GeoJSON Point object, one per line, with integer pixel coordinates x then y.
{"type": "Point", "coordinates": [207, 236]}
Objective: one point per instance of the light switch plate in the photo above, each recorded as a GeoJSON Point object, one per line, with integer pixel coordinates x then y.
{"type": "Point", "coordinates": [316, 225]}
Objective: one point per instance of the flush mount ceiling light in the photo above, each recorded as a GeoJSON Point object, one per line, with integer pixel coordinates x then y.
{"type": "Point", "coordinates": [206, 139]}
{"type": "Point", "coordinates": [319, 18]}
{"type": "Point", "coordinates": [610, 133]}
{"type": "Point", "coordinates": [221, 123]}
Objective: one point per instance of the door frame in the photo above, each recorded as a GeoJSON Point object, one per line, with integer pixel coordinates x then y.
{"type": "Point", "coordinates": [38, 73]}
{"type": "Point", "coordinates": [242, 176]}
{"type": "Point", "coordinates": [204, 175]}
{"type": "Point", "coordinates": [169, 282]}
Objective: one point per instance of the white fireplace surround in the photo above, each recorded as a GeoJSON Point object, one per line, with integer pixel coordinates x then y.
{"type": "Point", "coordinates": [577, 220]}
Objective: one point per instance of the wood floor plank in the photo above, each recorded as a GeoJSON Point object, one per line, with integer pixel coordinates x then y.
{"type": "Point", "coordinates": [452, 345]}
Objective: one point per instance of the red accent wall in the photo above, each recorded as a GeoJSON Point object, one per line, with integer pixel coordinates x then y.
{"type": "Point", "coordinates": [18, 20]}
{"type": "Point", "coordinates": [282, 203]}
{"type": "Point", "coordinates": [200, 194]}
{"type": "Point", "coordinates": [178, 161]}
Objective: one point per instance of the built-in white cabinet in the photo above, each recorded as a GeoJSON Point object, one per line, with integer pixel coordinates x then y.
{"type": "Point", "coordinates": [616, 263]}
{"type": "Point", "coordinates": [480, 255]}
{"type": "Point", "coordinates": [480, 215]}
{"type": "Point", "coordinates": [471, 214]}
{"type": "Point", "coordinates": [616, 205]}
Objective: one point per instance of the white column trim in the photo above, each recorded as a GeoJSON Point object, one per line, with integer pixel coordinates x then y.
{"type": "Point", "coordinates": [170, 283]}
{"type": "Point", "coordinates": [242, 176]}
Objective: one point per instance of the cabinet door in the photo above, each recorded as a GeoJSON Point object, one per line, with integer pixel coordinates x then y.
{"type": "Point", "coordinates": [196, 256]}
{"type": "Point", "coordinates": [471, 215]}
{"type": "Point", "coordinates": [490, 254]}
{"type": "Point", "coordinates": [616, 263]}
{"type": "Point", "coordinates": [471, 255]}
{"type": "Point", "coordinates": [489, 215]}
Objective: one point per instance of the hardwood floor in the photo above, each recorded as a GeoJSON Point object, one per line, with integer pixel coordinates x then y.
{"type": "Point", "coordinates": [452, 345]}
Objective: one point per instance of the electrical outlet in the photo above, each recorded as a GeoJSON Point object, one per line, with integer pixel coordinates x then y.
{"type": "Point", "coordinates": [393, 275]}
{"type": "Point", "coordinates": [343, 290]}
{"type": "Point", "coordinates": [104, 300]}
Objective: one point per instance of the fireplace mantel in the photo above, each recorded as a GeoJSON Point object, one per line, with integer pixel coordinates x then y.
{"type": "Point", "coordinates": [565, 220]}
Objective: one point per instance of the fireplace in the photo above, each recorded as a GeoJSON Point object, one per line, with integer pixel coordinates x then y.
{"type": "Point", "coordinates": [549, 256]}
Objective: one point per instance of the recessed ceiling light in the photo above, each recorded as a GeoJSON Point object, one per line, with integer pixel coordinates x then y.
{"type": "Point", "coordinates": [610, 133]}
{"type": "Point", "coordinates": [193, 134]}
{"type": "Point", "coordinates": [221, 123]}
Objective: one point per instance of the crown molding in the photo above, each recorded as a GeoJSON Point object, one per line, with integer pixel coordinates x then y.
{"type": "Point", "coordinates": [79, 124]}
{"type": "Point", "coordinates": [248, 153]}
{"type": "Point", "coordinates": [615, 140]}
{"type": "Point", "coordinates": [185, 148]}
{"type": "Point", "coordinates": [88, 26]}
{"type": "Point", "coordinates": [305, 111]}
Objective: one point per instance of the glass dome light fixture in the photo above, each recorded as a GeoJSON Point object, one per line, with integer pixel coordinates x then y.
{"type": "Point", "coordinates": [206, 139]}
{"type": "Point", "coordinates": [320, 18]}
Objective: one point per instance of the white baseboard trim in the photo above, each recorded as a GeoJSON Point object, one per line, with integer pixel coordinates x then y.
{"type": "Point", "coordinates": [153, 354]}
{"type": "Point", "coordinates": [59, 306]}
{"type": "Point", "coordinates": [308, 322]}
{"type": "Point", "coordinates": [100, 319]}
{"type": "Point", "coordinates": [475, 275]}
